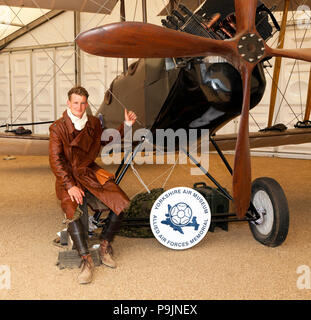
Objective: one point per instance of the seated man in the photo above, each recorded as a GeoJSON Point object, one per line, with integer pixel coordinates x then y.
{"type": "Point", "coordinates": [75, 141]}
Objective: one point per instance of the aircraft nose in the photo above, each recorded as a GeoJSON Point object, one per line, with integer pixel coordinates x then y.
{"type": "Point", "coordinates": [82, 39]}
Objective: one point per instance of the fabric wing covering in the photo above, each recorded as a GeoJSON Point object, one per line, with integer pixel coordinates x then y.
{"type": "Point", "coordinates": [98, 6]}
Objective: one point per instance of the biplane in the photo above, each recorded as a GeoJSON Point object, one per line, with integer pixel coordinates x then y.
{"type": "Point", "coordinates": [189, 90]}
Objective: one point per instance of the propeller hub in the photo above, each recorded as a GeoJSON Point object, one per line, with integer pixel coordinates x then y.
{"type": "Point", "coordinates": [251, 47]}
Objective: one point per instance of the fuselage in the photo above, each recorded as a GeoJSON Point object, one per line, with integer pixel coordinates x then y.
{"type": "Point", "coordinates": [207, 96]}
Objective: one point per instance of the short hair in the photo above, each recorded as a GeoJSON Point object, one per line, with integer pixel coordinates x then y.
{"type": "Point", "coordinates": [79, 91]}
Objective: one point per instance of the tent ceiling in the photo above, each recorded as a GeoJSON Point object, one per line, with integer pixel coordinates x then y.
{"type": "Point", "coordinates": [98, 6]}
{"type": "Point", "coordinates": [193, 4]}
{"type": "Point", "coordinates": [13, 19]}
{"type": "Point", "coordinates": [106, 6]}
{"type": "Point", "coordinates": [14, 14]}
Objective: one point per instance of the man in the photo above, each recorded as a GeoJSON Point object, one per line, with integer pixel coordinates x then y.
{"type": "Point", "coordinates": [75, 141]}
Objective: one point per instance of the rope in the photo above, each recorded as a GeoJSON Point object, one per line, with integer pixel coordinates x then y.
{"type": "Point", "coordinates": [171, 172]}
{"type": "Point", "coordinates": [139, 178]}
{"type": "Point", "coordinates": [154, 180]}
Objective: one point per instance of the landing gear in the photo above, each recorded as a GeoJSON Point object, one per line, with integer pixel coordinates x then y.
{"type": "Point", "coordinates": [268, 214]}
{"type": "Point", "coordinates": [269, 200]}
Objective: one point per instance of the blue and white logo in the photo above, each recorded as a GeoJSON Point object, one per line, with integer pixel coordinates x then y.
{"type": "Point", "coordinates": [180, 218]}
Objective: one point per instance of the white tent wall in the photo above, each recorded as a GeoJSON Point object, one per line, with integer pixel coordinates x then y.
{"type": "Point", "coordinates": [44, 100]}
{"type": "Point", "coordinates": [45, 62]}
{"type": "Point", "coordinates": [40, 69]}
{"type": "Point", "coordinates": [5, 103]}
{"type": "Point", "coordinates": [21, 79]}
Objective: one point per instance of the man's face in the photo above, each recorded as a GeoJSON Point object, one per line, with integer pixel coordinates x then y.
{"type": "Point", "coordinates": [77, 105]}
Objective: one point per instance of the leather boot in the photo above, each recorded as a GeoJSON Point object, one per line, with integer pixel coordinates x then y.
{"type": "Point", "coordinates": [111, 228]}
{"type": "Point", "coordinates": [106, 254]}
{"type": "Point", "coordinates": [87, 270]}
{"type": "Point", "coordinates": [77, 234]}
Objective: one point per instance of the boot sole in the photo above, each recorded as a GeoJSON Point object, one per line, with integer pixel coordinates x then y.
{"type": "Point", "coordinates": [85, 282]}
{"type": "Point", "coordinates": [107, 265]}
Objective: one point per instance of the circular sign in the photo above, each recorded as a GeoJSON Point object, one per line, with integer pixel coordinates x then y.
{"type": "Point", "coordinates": [180, 218]}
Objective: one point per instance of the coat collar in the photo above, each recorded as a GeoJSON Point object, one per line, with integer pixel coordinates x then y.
{"type": "Point", "coordinates": [84, 139]}
{"type": "Point", "coordinates": [68, 122]}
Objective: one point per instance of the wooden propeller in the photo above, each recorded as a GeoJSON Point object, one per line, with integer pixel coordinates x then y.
{"type": "Point", "coordinates": [244, 51]}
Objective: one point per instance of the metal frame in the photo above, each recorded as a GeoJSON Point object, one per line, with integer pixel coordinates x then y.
{"type": "Point", "coordinates": [251, 215]}
{"type": "Point", "coordinates": [121, 172]}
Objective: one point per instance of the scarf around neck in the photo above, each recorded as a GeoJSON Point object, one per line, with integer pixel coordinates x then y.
{"type": "Point", "coordinates": [78, 123]}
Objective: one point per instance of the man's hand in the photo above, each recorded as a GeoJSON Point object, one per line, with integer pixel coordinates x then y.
{"type": "Point", "coordinates": [130, 116]}
{"type": "Point", "coordinates": [77, 194]}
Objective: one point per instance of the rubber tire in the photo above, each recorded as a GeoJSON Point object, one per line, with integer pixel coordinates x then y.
{"type": "Point", "coordinates": [280, 226]}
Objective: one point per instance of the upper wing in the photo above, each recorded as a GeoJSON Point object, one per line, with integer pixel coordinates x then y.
{"type": "Point", "coordinates": [98, 6]}
{"type": "Point", "coordinates": [36, 144]}
{"type": "Point", "coordinates": [265, 139]}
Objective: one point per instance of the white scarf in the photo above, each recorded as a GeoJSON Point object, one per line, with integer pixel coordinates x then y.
{"type": "Point", "coordinates": [78, 123]}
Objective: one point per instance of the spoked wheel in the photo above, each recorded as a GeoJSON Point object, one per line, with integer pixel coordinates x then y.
{"type": "Point", "coordinates": [270, 202]}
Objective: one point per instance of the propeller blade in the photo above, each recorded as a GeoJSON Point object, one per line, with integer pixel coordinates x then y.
{"type": "Point", "coordinates": [299, 54]}
{"type": "Point", "coordinates": [242, 163]}
{"type": "Point", "coordinates": [245, 12]}
{"type": "Point", "coordinates": [143, 40]}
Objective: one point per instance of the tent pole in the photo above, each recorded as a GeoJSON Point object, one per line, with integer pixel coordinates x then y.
{"type": "Point", "coordinates": [308, 106]}
{"type": "Point", "coordinates": [144, 5]}
{"type": "Point", "coordinates": [77, 30]}
{"type": "Point", "coordinates": [278, 62]}
{"type": "Point", "coordinates": [122, 18]}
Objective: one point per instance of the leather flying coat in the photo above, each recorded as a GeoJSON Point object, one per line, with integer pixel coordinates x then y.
{"type": "Point", "coordinates": [72, 155]}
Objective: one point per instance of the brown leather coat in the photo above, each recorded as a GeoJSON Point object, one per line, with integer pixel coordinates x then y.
{"type": "Point", "coordinates": [72, 157]}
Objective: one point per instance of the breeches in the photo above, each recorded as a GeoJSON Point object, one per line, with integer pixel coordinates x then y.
{"type": "Point", "coordinates": [78, 226]}
{"type": "Point", "coordinates": [110, 196]}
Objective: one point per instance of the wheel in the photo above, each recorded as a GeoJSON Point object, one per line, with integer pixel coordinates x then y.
{"type": "Point", "coordinates": [270, 202]}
